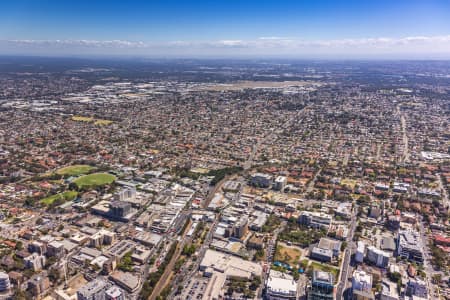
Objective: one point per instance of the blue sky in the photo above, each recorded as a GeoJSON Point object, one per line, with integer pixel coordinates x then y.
{"type": "Point", "coordinates": [227, 28]}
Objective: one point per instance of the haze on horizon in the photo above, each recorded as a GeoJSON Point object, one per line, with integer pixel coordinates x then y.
{"type": "Point", "coordinates": [383, 29]}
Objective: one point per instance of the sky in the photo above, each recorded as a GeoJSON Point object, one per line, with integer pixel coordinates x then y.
{"type": "Point", "coordinates": [228, 28]}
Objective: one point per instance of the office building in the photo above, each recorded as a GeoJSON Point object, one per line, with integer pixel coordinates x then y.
{"type": "Point", "coordinates": [322, 286]}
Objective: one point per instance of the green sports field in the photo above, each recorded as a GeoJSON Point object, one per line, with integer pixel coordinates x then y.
{"type": "Point", "coordinates": [94, 180]}
{"type": "Point", "coordinates": [75, 170]}
{"type": "Point", "coordinates": [61, 197]}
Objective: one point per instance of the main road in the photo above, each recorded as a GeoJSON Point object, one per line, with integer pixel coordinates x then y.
{"type": "Point", "coordinates": [340, 288]}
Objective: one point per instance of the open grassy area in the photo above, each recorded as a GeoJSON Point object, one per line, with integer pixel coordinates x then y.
{"type": "Point", "coordinates": [287, 254]}
{"type": "Point", "coordinates": [349, 182]}
{"type": "Point", "coordinates": [82, 119]}
{"type": "Point", "coordinates": [103, 122]}
{"type": "Point", "coordinates": [90, 119]}
{"type": "Point", "coordinates": [326, 268]}
{"type": "Point", "coordinates": [94, 180]}
{"type": "Point", "coordinates": [61, 198]}
{"type": "Point", "coordinates": [75, 170]}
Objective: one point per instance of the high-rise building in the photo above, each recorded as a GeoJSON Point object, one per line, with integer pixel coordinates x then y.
{"type": "Point", "coordinates": [360, 250]}
{"type": "Point", "coordinates": [322, 286]}
{"type": "Point", "coordinates": [5, 284]}
{"type": "Point", "coordinates": [125, 194]}
{"type": "Point", "coordinates": [35, 262]}
{"type": "Point", "coordinates": [119, 209]}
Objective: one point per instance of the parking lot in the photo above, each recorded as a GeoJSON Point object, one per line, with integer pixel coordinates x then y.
{"type": "Point", "coordinates": [194, 290]}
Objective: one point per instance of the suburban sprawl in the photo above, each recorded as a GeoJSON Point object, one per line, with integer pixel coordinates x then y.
{"type": "Point", "coordinates": [224, 180]}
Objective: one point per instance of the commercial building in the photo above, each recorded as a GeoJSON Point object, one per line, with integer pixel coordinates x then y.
{"type": "Point", "coordinates": [93, 290]}
{"type": "Point", "coordinates": [55, 249]}
{"type": "Point", "coordinates": [389, 291]}
{"type": "Point", "coordinates": [280, 286]}
{"type": "Point", "coordinates": [38, 284]}
{"type": "Point", "coordinates": [127, 281]}
{"type": "Point", "coordinates": [102, 237]}
{"type": "Point", "coordinates": [125, 194]}
{"type": "Point", "coordinates": [378, 257]}
{"type": "Point", "coordinates": [261, 180]}
{"type": "Point", "coordinates": [322, 286]}
{"type": "Point", "coordinates": [417, 287]}
{"type": "Point", "coordinates": [326, 249]}
{"type": "Point", "coordinates": [240, 227]}
{"type": "Point", "coordinates": [362, 285]}
{"type": "Point", "coordinates": [315, 219]}
{"type": "Point", "coordinates": [409, 245]}
{"type": "Point", "coordinates": [280, 183]}
{"type": "Point", "coordinates": [214, 261]}
{"type": "Point", "coordinates": [114, 293]}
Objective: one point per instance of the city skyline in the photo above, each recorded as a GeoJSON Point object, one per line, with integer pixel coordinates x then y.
{"type": "Point", "coordinates": [291, 29]}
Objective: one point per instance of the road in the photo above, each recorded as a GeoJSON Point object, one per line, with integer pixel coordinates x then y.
{"type": "Point", "coordinates": [270, 253]}
{"type": "Point", "coordinates": [163, 281]}
{"type": "Point", "coordinates": [445, 201]}
{"type": "Point", "coordinates": [215, 189]}
{"type": "Point", "coordinates": [427, 265]}
{"type": "Point", "coordinates": [345, 266]}
{"type": "Point", "coordinates": [310, 185]}
{"type": "Point", "coordinates": [405, 156]}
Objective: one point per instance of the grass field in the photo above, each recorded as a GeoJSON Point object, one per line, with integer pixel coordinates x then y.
{"type": "Point", "coordinates": [75, 170]}
{"type": "Point", "coordinates": [287, 254]}
{"type": "Point", "coordinates": [94, 180]}
{"type": "Point", "coordinates": [102, 122]}
{"type": "Point", "coordinates": [349, 182]}
{"type": "Point", "coordinates": [90, 119]}
{"type": "Point", "coordinates": [61, 197]}
{"type": "Point", "coordinates": [82, 119]}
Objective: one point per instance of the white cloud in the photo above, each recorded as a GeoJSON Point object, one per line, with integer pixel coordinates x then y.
{"type": "Point", "coordinates": [272, 45]}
